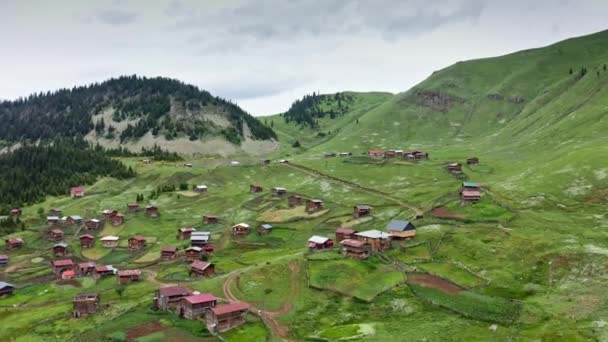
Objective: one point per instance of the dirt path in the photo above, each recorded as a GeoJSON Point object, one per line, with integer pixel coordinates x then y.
{"type": "Point", "coordinates": [429, 280]}
{"type": "Point", "coordinates": [373, 192]}
{"type": "Point", "coordinates": [151, 277]}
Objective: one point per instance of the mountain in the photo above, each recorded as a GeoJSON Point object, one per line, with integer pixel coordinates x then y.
{"type": "Point", "coordinates": [136, 112]}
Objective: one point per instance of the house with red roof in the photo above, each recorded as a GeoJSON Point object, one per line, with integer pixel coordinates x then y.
{"type": "Point", "coordinates": [224, 317]}
{"type": "Point", "coordinates": [14, 243]}
{"type": "Point", "coordinates": [87, 241]}
{"type": "Point", "coordinates": [169, 297]}
{"type": "Point", "coordinates": [344, 233]}
{"type": "Point", "coordinates": [375, 153]}
{"type": "Point", "coordinates": [128, 276]}
{"type": "Point", "coordinates": [62, 265]}
{"type": "Point", "coordinates": [168, 253]}
{"type": "Point", "coordinates": [184, 233]}
{"type": "Point", "coordinates": [55, 235]}
{"type": "Point", "coordinates": [195, 306]}
{"type": "Point", "coordinates": [201, 269]}
{"type": "Point", "coordinates": [77, 192]}
{"type": "Point", "coordinates": [86, 268]}
{"type": "Point", "coordinates": [137, 242]}
{"type": "Point", "coordinates": [210, 219]}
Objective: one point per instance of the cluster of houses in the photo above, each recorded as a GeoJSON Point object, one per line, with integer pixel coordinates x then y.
{"type": "Point", "coordinates": [410, 155]}
{"type": "Point", "coordinates": [312, 204]}
{"type": "Point", "coordinates": [341, 154]}
{"type": "Point", "coordinates": [456, 168]}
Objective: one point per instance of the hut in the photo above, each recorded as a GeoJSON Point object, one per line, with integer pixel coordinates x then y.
{"type": "Point", "coordinates": [169, 297]}
{"type": "Point", "coordinates": [255, 188]}
{"type": "Point", "coordinates": [92, 224]}
{"type": "Point", "coordinates": [316, 243]}
{"type": "Point", "coordinates": [109, 241]}
{"type": "Point", "coordinates": [355, 248]}
{"type": "Point", "coordinates": [168, 253]}
{"type": "Point", "coordinates": [86, 268]}
{"type": "Point", "coordinates": [202, 269]}
{"type": "Point", "coordinates": [6, 289]}
{"type": "Point", "coordinates": [3, 260]}
{"type": "Point", "coordinates": [314, 205]}
{"type": "Point", "coordinates": [200, 188]}
{"type": "Point", "coordinates": [152, 211]}
{"type": "Point", "coordinates": [14, 243]}
{"type": "Point", "coordinates": [87, 241]}
{"type": "Point", "coordinates": [377, 240]}
{"type": "Point", "coordinates": [137, 242]}
{"type": "Point", "coordinates": [104, 270]}
{"type": "Point", "coordinates": [344, 233]}
{"type": "Point", "coordinates": [240, 229]}
{"type": "Point", "coordinates": [264, 229]}
{"type": "Point", "coordinates": [399, 229]}
{"type": "Point", "coordinates": [85, 304]}
{"type": "Point", "coordinates": [375, 153]}
{"type": "Point", "coordinates": [74, 220]}
{"type": "Point", "coordinates": [184, 233]}
{"type": "Point", "coordinates": [278, 192]}
{"type": "Point", "coordinates": [62, 265]}
{"type": "Point", "coordinates": [211, 219]}
{"type": "Point", "coordinates": [55, 235]}
{"type": "Point", "coordinates": [224, 317]}
{"type": "Point", "coordinates": [361, 211]}
{"type": "Point", "coordinates": [60, 249]}
{"type": "Point", "coordinates": [195, 306]}
{"type": "Point", "coordinates": [133, 207]}
{"type": "Point", "coordinates": [294, 200]}
{"type": "Point", "coordinates": [193, 253]}
{"type": "Point", "coordinates": [199, 239]}
{"type": "Point", "coordinates": [16, 212]}
{"type": "Point", "coordinates": [469, 196]}
{"type": "Point", "coordinates": [128, 276]}
{"type": "Point", "coordinates": [455, 167]}
{"type": "Point", "coordinates": [108, 213]}
{"type": "Point", "coordinates": [117, 219]}
{"type": "Point", "coordinates": [52, 221]}
{"type": "Point", "coordinates": [473, 161]}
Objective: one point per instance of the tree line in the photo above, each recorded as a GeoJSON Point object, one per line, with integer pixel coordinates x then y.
{"type": "Point", "coordinates": [307, 111]}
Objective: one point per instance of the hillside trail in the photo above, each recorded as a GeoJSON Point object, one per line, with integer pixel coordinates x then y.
{"type": "Point", "coordinates": [151, 277]}
{"type": "Point", "coordinates": [374, 192]}
{"type": "Point", "coordinates": [269, 317]}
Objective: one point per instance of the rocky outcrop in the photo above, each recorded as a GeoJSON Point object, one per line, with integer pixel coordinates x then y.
{"type": "Point", "coordinates": [436, 100]}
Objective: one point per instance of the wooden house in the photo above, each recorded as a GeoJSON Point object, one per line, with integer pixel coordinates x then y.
{"type": "Point", "coordinates": [60, 249]}
{"type": "Point", "coordinates": [6, 289]}
{"type": "Point", "coordinates": [104, 270]}
{"type": "Point", "coordinates": [184, 233]}
{"type": "Point", "coordinates": [255, 188]}
{"type": "Point", "coordinates": [55, 235]}
{"type": "Point", "coordinates": [377, 240]}
{"type": "Point", "coordinates": [77, 192]}
{"type": "Point", "coordinates": [200, 188]}
{"type": "Point", "coordinates": [62, 265]}
{"type": "Point", "coordinates": [117, 219]}
{"type": "Point", "coordinates": [127, 276]}
{"type": "Point", "coordinates": [87, 241]}
{"type": "Point", "coordinates": [168, 298]}
{"type": "Point", "coordinates": [264, 229]}
{"type": "Point", "coordinates": [52, 221]}
{"type": "Point", "coordinates": [187, 165]}
{"type": "Point", "coordinates": [329, 155]}
{"type": "Point", "coordinates": [3, 260]}
{"type": "Point", "coordinates": [137, 242]}
{"type": "Point", "coordinates": [294, 200]}
{"type": "Point", "coordinates": [420, 155]}
{"type": "Point", "coordinates": [168, 253]}
{"type": "Point", "coordinates": [375, 153]}
{"type": "Point", "coordinates": [469, 196]}
{"type": "Point", "coordinates": [86, 268]}
{"type": "Point", "coordinates": [355, 248]}
{"type": "Point", "coordinates": [314, 205]}
{"type": "Point", "coordinates": [399, 229]}
{"type": "Point", "coordinates": [16, 212]}
{"type": "Point", "coordinates": [224, 317]}
{"type": "Point", "coordinates": [344, 233]}
{"type": "Point", "coordinates": [108, 213]}
{"type": "Point", "coordinates": [240, 229]}
{"type": "Point", "coordinates": [345, 154]}
{"type": "Point", "coordinates": [56, 212]}
{"type": "Point", "coordinates": [193, 253]}
{"type": "Point", "coordinates": [199, 239]}
{"type": "Point", "coordinates": [361, 211]}
{"type": "Point", "coordinates": [278, 192]}
{"type": "Point", "coordinates": [85, 304]}
{"type": "Point", "coordinates": [152, 211]}
{"type": "Point", "coordinates": [73, 220]}
{"type": "Point", "coordinates": [455, 167]}
{"type": "Point", "coordinates": [470, 186]}
{"type": "Point", "coordinates": [14, 243]}
{"type": "Point", "coordinates": [201, 269]}
{"type": "Point", "coordinates": [195, 306]}
{"type": "Point", "coordinates": [265, 161]}
{"type": "Point", "coordinates": [316, 243]}
{"type": "Point", "coordinates": [390, 154]}
{"type": "Point", "coordinates": [473, 161]}
{"type": "Point", "coordinates": [109, 241]}
{"type": "Point", "coordinates": [133, 207]}
{"type": "Point", "coordinates": [210, 219]}
{"type": "Point", "coordinates": [93, 224]}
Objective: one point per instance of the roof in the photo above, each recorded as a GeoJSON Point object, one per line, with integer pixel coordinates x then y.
{"type": "Point", "coordinates": [132, 204]}
{"type": "Point", "coordinates": [103, 268]}
{"type": "Point", "coordinates": [168, 249]}
{"type": "Point", "coordinates": [244, 225]}
{"type": "Point", "coordinates": [77, 188]}
{"type": "Point", "coordinates": [200, 298]}
{"type": "Point", "coordinates": [279, 189]}
{"type": "Point", "coordinates": [52, 218]}
{"type": "Point", "coordinates": [69, 273]}
{"type": "Point", "coordinates": [94, 220]}
{"type": "Point", "coordinates": [61, 244]}
{"type": "Point", "coordinates": [194, 248]}
{"type": "Point", "coordinates": [75, 217]}
{"type": "Point", "coordinates": [470, 184]}
{"type": "Point", "coordinates": [86, 296]}
{"type": "Point", "coordinates": [373, 234]}
{"type": "Point", "coordinates": [86, 264]}
{"type": "Point", "coordinates": [138, 238]}
{"type": "Point", "coordinates": [128, 273]}
{"type": "Point", "coordinates": [346, 231]}
{"type": "Point", "coordinates": [201, 187]}
{"type": "Point", "coordinates": [454, 164]}
{"type": "Point", "coordinates": [63, 262]}
{"type": "Point", "coordinates": [109, 238]}
{"type": "Point", "coordinates": [363, 206]}
{"type": "Point", "coordinates": [199, 237]}
{"type": "Point", "coordinates": [256, 185]}
{"type": "Point", "coordinates": [375, 151]}
{"type": "Point", "coordinates": [3, 257]}
{"type": "Point", "coordinates": [173, 291]}
{"type": "Point", "coordinates": [353, 243]}
{"type": "Point", "coordinates": [201, 265]}
{"type": "Point", "coordinates": [56, 231]}
{"type": "Point", "coordinates": [266, 226]}
{"type": "Point", "coordinates": [408, 233]}
{"type": "Point", "coordinates": [107, 211]}
{"type": "Point", "coordinates": [316, 201]}
{"type": "Point", "coordinates": [211, 216]}
{"type": "Point", "coordinates": [4, 284]}
{"type": "Point", "coordinates": [470, 193]}
{"type": "Point", "coordinates": [318, 239]}
{"type": "Point", "coordinates": [87, 236]}
{"type": "Point", "coordinates": [187, 229]}
{"type": "Point", "coordinates": [399, 225]}
{"type": "Point", "coordinates": [15, 240]}
{"type": "Point", "coordinates": [151, 207]}
{"type": "Point", "coordinates": [229, 308]}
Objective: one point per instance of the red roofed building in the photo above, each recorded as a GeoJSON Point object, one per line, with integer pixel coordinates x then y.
{"type": "Point", "coordinates": [62, 265]}
{"type": "Point", "coordinates": [469, 196]}
{"type": "Point", "coordinates": [169, 297]}
{"type": "Point", "coordinates": [344, 233]}
{"type": "Point", "coordinates": [77, 192]}
{"type": "Point", "coordinates": [375, 153]}
{"type": "Point", "coordinates": [255, 188]}
{"type": "Point", "coordinates": [137, 242]}
{"type": "Point", "coordinates": [168, 253]}
{"type": "Point", "coordinates": [14, 243]}
{"type": "Point", "coordinates": [210, 219]}
{"type": "Point", "coordinates": [87, 241]}
{"type": "Point", "coordinates": [202, 269]}
{"type": "Point", "coordinates": [224, 317]}
{"type": "Point", "coordinates": [55, 235]}
{"type": "Point", "coordinates": [184, 233]}
{"type": "Point", "coordinates": [16, 212]}
{"type": "Point", "coordinates": [195, 306]}
{"type": "Point", "coordinates": [86, 268]}
{"type": "Point", "coordinates": [127, 276]}
{"type": "Point", "coordinates": [152, 211]}
{"type": "Point", "coordinates": [68, 274]}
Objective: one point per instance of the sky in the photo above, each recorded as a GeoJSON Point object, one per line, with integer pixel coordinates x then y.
{"type": "Point", "coordinates": [264, 54]}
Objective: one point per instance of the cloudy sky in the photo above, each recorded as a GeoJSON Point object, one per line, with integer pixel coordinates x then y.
{"type": "Point", "coordinates": [263, 54]}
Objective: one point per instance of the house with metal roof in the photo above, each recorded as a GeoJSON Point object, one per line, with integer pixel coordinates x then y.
{"type": "Point", "coordinates": [401, 229]}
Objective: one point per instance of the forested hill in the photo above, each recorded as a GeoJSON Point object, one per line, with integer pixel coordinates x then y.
{"type": "Point", "coordinates": [308, 110]}
{"type": "Point", "coordinates": [126, 109]}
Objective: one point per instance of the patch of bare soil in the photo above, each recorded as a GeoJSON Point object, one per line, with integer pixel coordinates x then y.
{"type": "Point", "coordinates": [71, 282]}
{"type": "Point", "coordinates": [444, 213]}
{"type": "Point", "coordinates": [144, 330]}
{"type": "Point", "coordinates": [429, 280]}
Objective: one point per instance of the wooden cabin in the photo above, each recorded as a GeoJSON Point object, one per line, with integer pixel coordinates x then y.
{"type": "Point", "coordinates": [265, 161]}
{"type": "Point", "coordinates": [6, 289]}
{"type": "Point", "coordinates": [195, 306]}
{"type": "Point", "coordinates": [344, 233]}
{"type": "Point", "coordinates": [56, 212]}
{"type": "Point", "coordinates": [77, 192]}
{"type": "Point", "coordinates": [240, 229]}
{"type": "Point", "coordinates": [168, 253]}
{"type": "Point", "coordinates": [168, 298]}
{"type": "Point", "coordinates": [137, 242]}
{"type": "Point", "coordinates": [104, 270]}
{"type": "Point", "coordinates": [93, 224]}
{"type": "Point", "coordinates": [109, 241]}
{"type": "Point", "coordinates": [455, 167]}
{"type": "Point", "coordinates": [133, 207]}
{"type": "Point", "coordinates": [199, 239]}
{"type": "Point", "coordinates": [201, 269]}
{"type": "Point", "coordinates": [73, 220]}
{"type": "Point", "coordinates": [86, 268]}
{"type": "Point", "coordinates": [62, 265]}
{"type": "Point", "coordinates": [377, 240]}
{"type": "Point", "coordinates": [200, 189]}
{"type": "Point", "coordinates": [108, 213]}
{"type": "Point", "coordinates": [14, 243]}
{"type": "Point", "coordinates": [471, 186]}
{"type": "Point", "coordinates": [127, 276]}
{"type": "Point", "coordinates": [278, 192]}
{"type": "Point", "coordinates": [87, 241]}
{"type": "Point", "coordinates": [345, 154]}
{"type": "Point", "coordinates": [390, 154]}
{"type": "Point", "coordinates": [399, 229]}
{"type": "Point", "coordinates": [264, 229]}
{"type": "Point", "coordinates": [473, 161]}
{"type": "Point", "coordinates": [60, 249]}
{"type": "Point", "coordinates": [55, 235]}
{"type": "Point", "coordinates": [420, 155]}
{"type": "Point", "coordinates": [3, 260]}
{"type": "Point", "coordinates": [294, 200]}
{"type": "Point", "coordinates": [152, 211]}
{"type": "Point", "coordinates": [361, 211]}
{"type": "Point", "coordinates": [316, 243]}
{"type": "Point", "coordinates": [117, 219]}
{"type": "Point", "coordinates": [329, 155]}
{"type": "Point", "coordinates": [314, 205]}
{"type": "Point", "coordinates": [224, 317]}
{"type": "Point", "coordinates": [375, 153]}
{"type": "Point", "coordinates": [469, 196]}
{"type": "Point", "coordinates": [184, 233]}
{"type": "Point", "coordinates": [85, 304]}
{"type": "Point", "coordinates": [16, 212]}
{"type": "Point", "coordinates": [355, 248]}
{"type": "Point", "coordinates": [255, 188]}
{"type": "Point", "coordinates": [52, 221]}
{"type": "Point", "coordinates": [193, 253]}
{"type": "Point", "coordinates": [187, 165]}
{"type": "Point", "coordinates": [210, 219]}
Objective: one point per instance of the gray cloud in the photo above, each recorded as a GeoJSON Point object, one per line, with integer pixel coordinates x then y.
{"type": "Point", "coordinates": [117, 17]}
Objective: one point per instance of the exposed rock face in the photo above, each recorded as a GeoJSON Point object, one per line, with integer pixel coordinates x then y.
{"type": "Point", "coordinates": [496, 97]}
{"type": "Point", "coordinates": [436, 100]}
{"type": "Point", "coordinates": [517, 99]}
